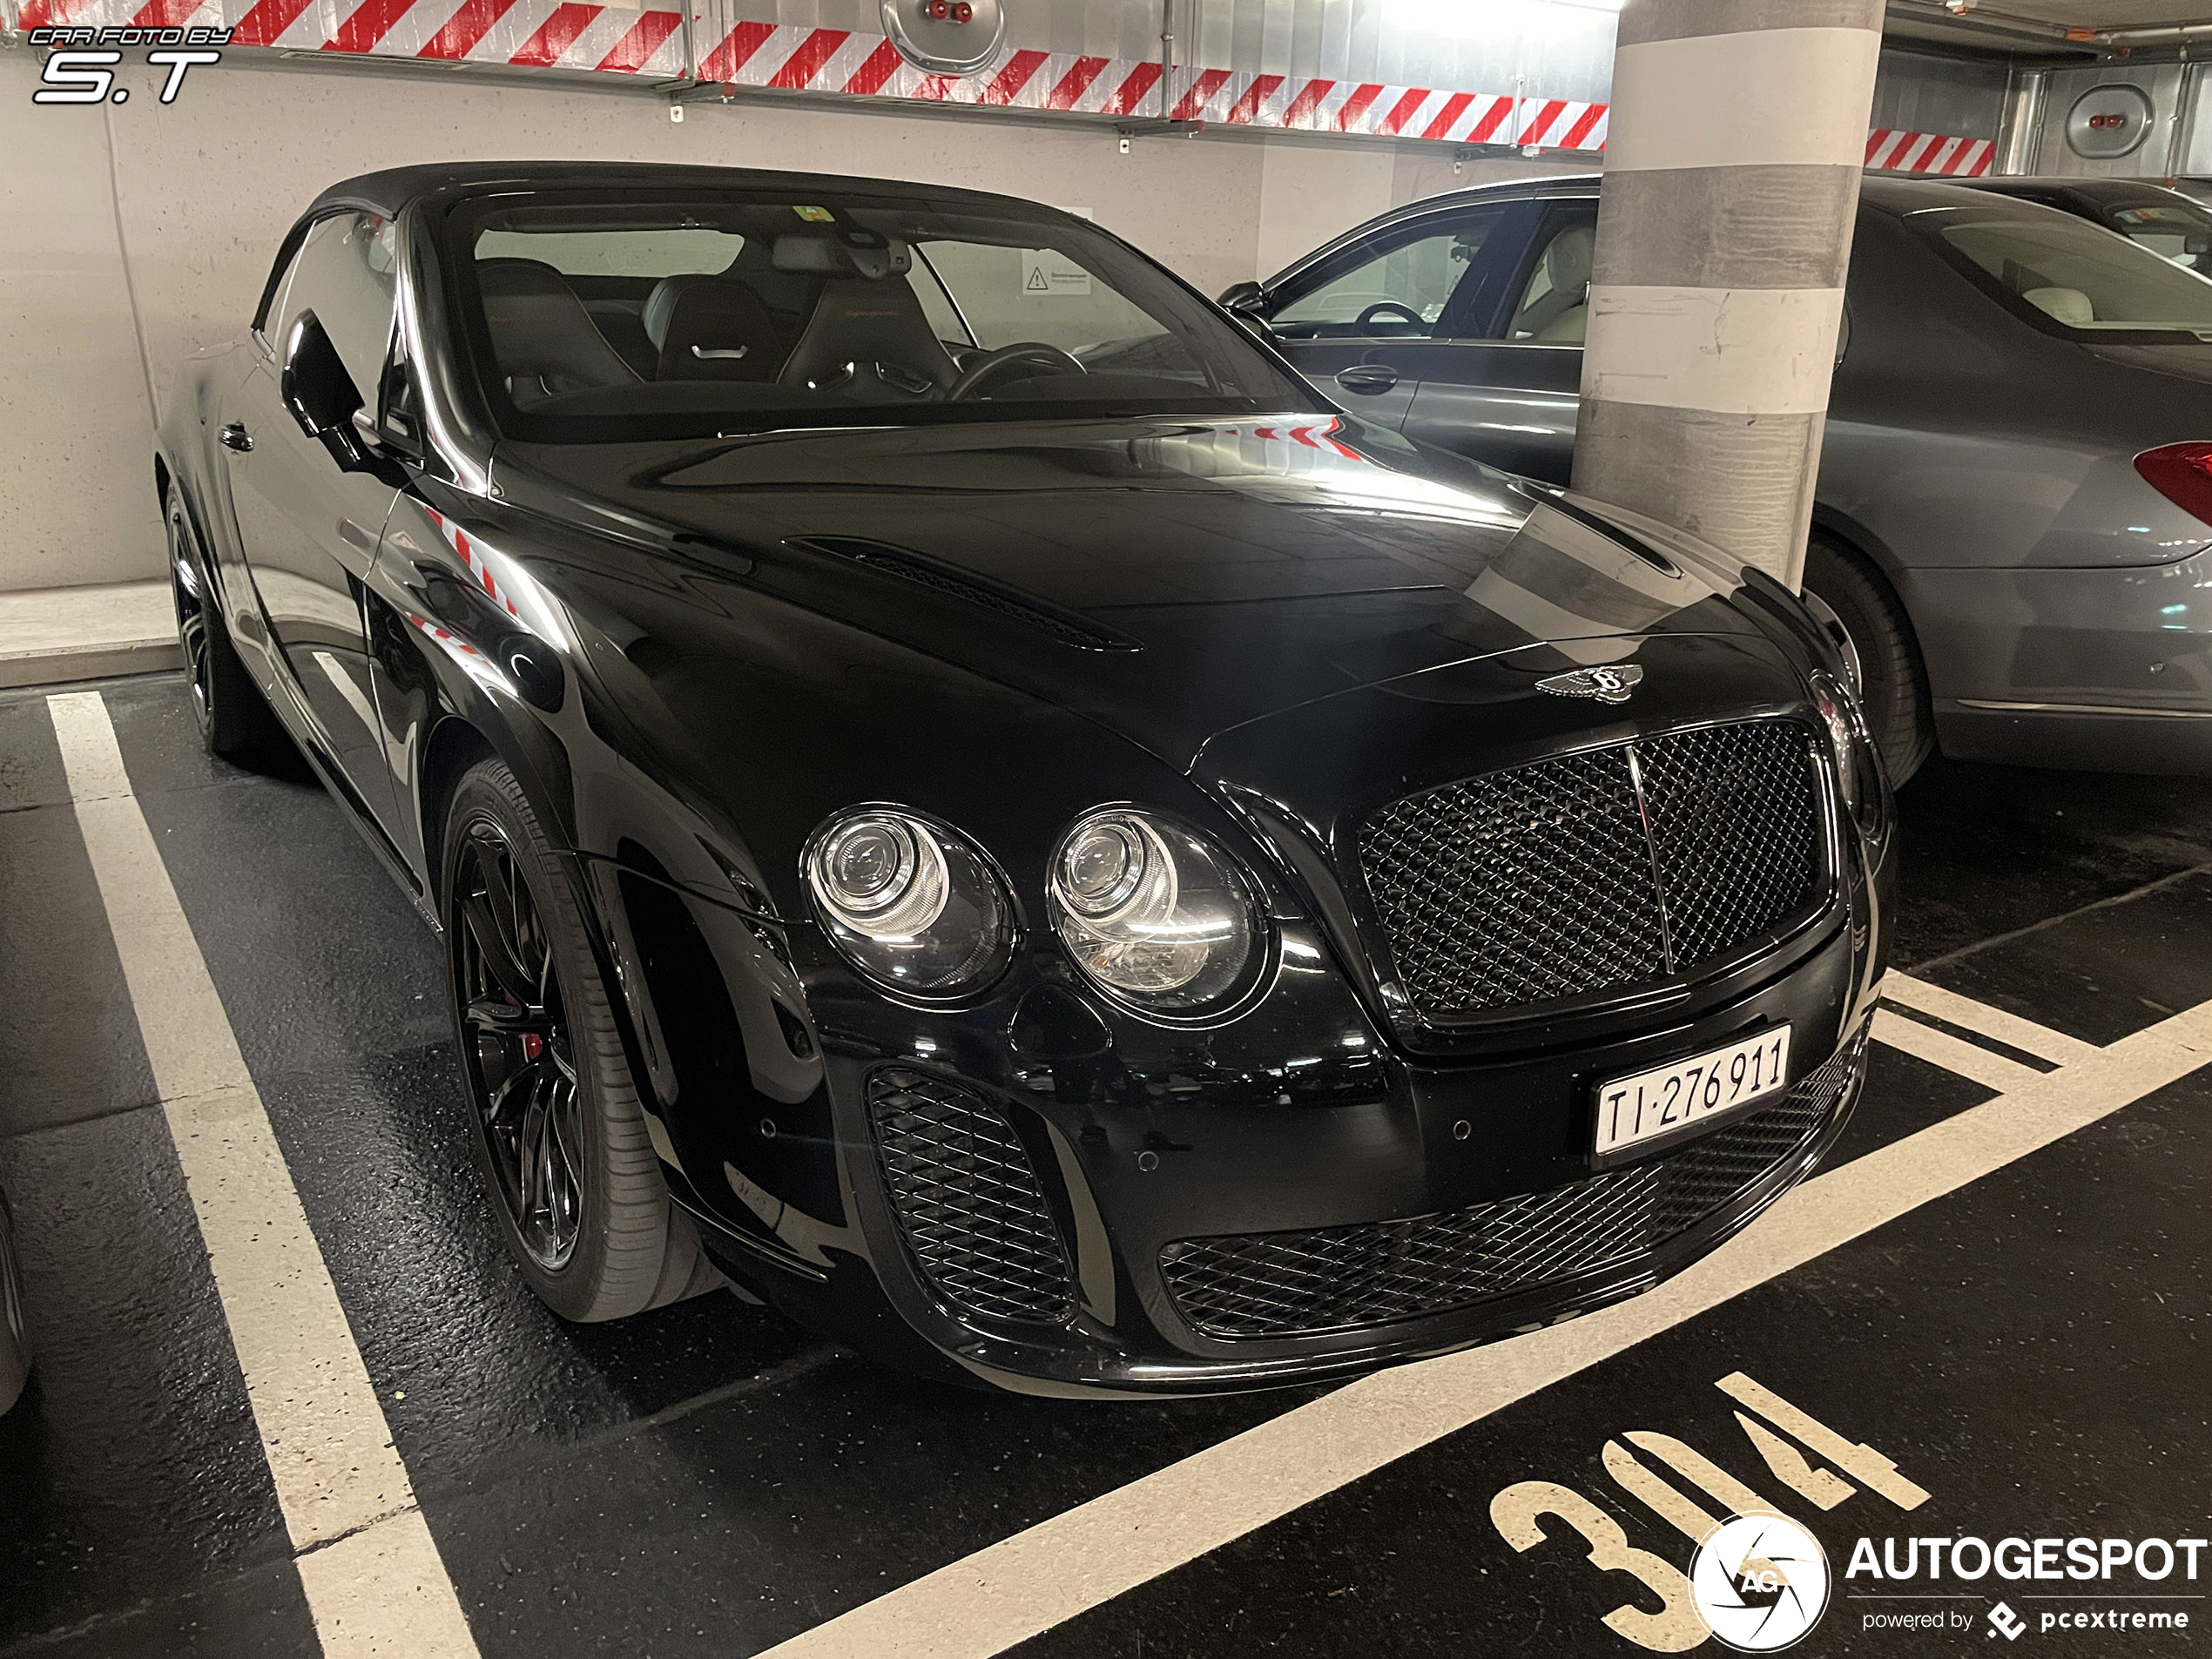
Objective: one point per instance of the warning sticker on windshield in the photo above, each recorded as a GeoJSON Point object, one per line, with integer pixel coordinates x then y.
{"type": "Point", "coordinates": [817, 215]}
{"type": "Point", "coordinates": [1045, 273]}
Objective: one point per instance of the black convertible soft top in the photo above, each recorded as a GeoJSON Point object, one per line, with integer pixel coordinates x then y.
{"type": "Point", "coordinates": [389, 191]}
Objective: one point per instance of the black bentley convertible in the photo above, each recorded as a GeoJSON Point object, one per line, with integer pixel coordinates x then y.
{"type": "Point", "coordinates": [962, 794]}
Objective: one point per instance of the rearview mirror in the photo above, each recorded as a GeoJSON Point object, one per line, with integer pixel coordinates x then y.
{"type": "Point", "coordinates": [315, 386]}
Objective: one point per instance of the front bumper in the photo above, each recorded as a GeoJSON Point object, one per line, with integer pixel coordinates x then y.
{"type": "Point", "coordinates": [955, 1235]}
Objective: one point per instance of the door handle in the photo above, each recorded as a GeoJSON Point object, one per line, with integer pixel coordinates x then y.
{"type": "Point", "coordinates": [1368, 378]}
{"type": "Point", "coordinates": [235, 436]}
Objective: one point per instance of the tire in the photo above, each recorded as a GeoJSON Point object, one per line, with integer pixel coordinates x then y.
{"type": "Point", "coordinates": [235, 720]}
{"type": "Point", "coordinates": [559, 1138]}
{"type": "Point", "coordinates": [1893, 686]}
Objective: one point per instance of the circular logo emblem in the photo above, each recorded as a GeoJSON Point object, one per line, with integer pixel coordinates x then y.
{"type": "Point", "coordinates": [2108, 122]}
{"type": "Point", "coordinates": [1759, 1582]}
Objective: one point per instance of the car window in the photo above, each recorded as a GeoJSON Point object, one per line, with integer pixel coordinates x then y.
{"type": "Point", "coordinates": [347, 274]}
{"type": "Point", "coordinates": [2077, 274]}
{"type": "Point", "coordinates": [2178, 232]}
{"type": "Point", "coordinates": [1554, 302]}
{"type": "Point", "coordinates": [675, 250]}
{"type": "Point", "coordinates": [1400, 286]}
{"type": "Point", "coordinates": [999, 295]}
{"type": "Point", "coordinates": [676, 312]}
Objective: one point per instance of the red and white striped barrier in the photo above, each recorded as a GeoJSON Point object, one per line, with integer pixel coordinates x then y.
{"type": "Point", "coordinates": [621, 39]}
{"type": "Point", "coordinates": [794, 57]}
{"type": "Point", "coordinates": [1890, 150]}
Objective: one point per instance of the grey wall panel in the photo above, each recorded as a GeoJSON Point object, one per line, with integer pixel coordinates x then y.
{"type": "Point", "coordinates": [2063, 88]}
{"type": "Point", "coordinates": [1914, 93]}
{"type": "Point", "coordinates": [1544, 48]}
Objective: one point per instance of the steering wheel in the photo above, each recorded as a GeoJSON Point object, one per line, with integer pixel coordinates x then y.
{"type": "Point", "coordinates": [1380, 306]}
{"type": "Point", "coordinates": [1034, 353]}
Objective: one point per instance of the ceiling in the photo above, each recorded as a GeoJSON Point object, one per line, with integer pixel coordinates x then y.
{"type": "Point", "coordinates": [2037, 28]}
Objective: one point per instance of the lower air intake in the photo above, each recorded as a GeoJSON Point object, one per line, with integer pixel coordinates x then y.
{"type": "Point", "coordinates": [968, 1200]}
{"type": "Point", "coordinates": [1338, 1279]}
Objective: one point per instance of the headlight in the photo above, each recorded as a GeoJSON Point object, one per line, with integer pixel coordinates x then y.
{"type": "Point", "coordinates": [1151, 912]}
{"type": "Point", "coordinates": [1859, 765]}
{"type": "Point", "coordinates": [907, 903]}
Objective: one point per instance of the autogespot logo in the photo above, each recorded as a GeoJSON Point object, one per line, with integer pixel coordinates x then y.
{"type": "Point", "coordinates": [1759, 1582]}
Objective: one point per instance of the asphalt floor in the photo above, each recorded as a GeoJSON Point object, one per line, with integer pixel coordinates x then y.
{"type": "Point", "coordinates": [2027, 1344]}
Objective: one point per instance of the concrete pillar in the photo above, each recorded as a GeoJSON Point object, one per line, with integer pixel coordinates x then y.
{"type": "Point", "coordinates": [1731, 179]}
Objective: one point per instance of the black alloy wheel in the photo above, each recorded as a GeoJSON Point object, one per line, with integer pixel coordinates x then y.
{"type": "Point", "coordinates": [521, 1057]}
{"type": "Point", "coordinates": [235, 720]}
{"type": "Point", "coordinates": [558, 1127]}
{"type": "Point", "coordinates": [185, 587]}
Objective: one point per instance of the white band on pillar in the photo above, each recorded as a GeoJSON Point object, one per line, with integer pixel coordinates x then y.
{"type": "Point", "coordinates": [1771, 96]}
{"type": "Point", "coordinates": [1731, 351]}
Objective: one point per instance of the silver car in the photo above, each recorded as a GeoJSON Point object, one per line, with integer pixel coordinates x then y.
{"type": "Point", "coordinates": [2013, 528]}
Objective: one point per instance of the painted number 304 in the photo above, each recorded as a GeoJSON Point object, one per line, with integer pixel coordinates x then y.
{"type": "Point", "coordinates": [87, 77]}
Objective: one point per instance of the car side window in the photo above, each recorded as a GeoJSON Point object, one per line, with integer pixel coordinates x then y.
{"type": "Point", "coordinates": [1399, 283]}
{"type": "Point", "coordinates": [346, 274]}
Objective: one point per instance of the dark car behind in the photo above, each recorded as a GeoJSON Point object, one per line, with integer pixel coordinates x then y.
{"type": "Point", "coordinates": [2012, 520]}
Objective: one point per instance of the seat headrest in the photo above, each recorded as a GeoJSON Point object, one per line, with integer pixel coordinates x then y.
{"type": "Point", "coordinates": [873, 336]}
{"type": "Point", "coordinates": [660, 304]}
{"type": "Point", "coordinates": [541, 332]}
{"type": "Point", "coordinates": [712, 329]}
{"type": "Point", "coordinates": [1569, 259]}
{"type": "Point", "coordinates": [2070, 305]}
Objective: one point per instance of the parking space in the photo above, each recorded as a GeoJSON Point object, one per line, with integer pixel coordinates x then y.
{"type": "Point", "coordinates": [2008, 1241]}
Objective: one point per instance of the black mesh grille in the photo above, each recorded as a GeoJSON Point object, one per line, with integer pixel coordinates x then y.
{"type": "Point", "coordinates": [1570, 876]}
{"type": "Point", "coordinates": [968, 1198]}
{"type": "Point", "coordinates": [1737, 826]}
{"type": "Point", "coordinates": [1519, 887]}
{"type": "Point", "coordinates": [1334, 1278]}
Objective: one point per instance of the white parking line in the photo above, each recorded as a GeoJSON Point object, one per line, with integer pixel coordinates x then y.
{"type": "Point", "coordinates": [1952, 1053]}
{"type": "Point", "coordinates": [370, 1568]}
{"type": "Point", "coordinates": [1027, 1584]}
{"type": "Point", "coordinates": [1969, 1015]}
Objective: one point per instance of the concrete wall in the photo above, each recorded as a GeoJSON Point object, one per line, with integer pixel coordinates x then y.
{"type": "Point", "coordinates": [132, 235]}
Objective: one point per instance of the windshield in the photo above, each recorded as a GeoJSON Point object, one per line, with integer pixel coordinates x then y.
{"type": "Point", "coordinates": [669, 315]}
{"type": "Point", "coordinates": [2078, 275]}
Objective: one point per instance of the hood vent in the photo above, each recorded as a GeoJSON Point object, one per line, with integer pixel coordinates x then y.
{"type": "Point", "coordinates": [1065, 626]}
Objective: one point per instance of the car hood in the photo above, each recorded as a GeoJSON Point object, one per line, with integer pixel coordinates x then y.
{"type": "Point", "coordinates": [1172, 581]}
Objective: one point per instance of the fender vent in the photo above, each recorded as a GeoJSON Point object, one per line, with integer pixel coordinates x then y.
{"type": "Point", "coordinates": [1065, 626]}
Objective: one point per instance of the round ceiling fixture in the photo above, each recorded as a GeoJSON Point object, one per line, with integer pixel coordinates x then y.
{"type": "Point", "coordinates": [2108, 122]}
{"type": "Point", "coordinates": [946, 36]}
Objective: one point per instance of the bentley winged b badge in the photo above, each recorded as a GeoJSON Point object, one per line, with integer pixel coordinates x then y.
{"type": "Point", "coordinates": [1608, 684]}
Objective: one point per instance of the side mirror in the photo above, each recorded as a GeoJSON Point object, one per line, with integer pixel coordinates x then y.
{"type": "Point", "coordinates": [315, 386]}
{"type": "Point", "coordinates": [1246, 300]}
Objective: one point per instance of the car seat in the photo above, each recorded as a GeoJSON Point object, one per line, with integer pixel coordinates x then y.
{"type": "Point", "coordinates": [2070, 305]}
{"type": "Point", "coordinates": [712, 329]}
{"type": "Point", "coordinates": [543, 340]}
{"type": "Point", "coordinates": [1562, 315]}
{"type": "Point", "coordinates": [868, 333]}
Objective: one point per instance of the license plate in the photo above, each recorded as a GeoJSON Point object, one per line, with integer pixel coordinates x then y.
{"type": "Point", "coordinates": [1663, 1102]}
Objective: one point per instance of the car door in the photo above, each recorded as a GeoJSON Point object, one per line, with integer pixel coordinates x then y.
{"type": "Point", "coordinates": [307, 526]}
{"type": "Point", "coordinates": [1357, 323]}
{"type": "Point", "coordinates": [1502, 380]}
